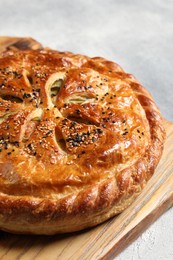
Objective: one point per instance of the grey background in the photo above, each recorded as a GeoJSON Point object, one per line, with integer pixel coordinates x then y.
{"type": "Point", "coordinates": [136, 34]}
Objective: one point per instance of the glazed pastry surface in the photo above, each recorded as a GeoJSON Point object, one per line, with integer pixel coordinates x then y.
{"type": "Point", "coordinates": [79, 139]}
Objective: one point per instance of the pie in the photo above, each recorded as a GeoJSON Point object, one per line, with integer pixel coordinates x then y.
{"type": "Point", "coordinates": [79, 140]}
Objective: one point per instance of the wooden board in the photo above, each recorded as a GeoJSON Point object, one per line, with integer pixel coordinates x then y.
{"type": "Point", "coordinates": [109, 239]}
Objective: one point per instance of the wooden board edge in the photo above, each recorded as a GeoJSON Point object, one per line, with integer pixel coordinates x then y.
{"type": "Point", "coordinates": [138, 229]}
{"type": "Point", "coordinates": [21, 43]}
{"type": "Point", "coordinates": [148, 220]}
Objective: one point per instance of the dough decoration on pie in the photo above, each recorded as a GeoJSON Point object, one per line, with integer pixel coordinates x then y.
{"type": "Point", "coordinates": [79, 139]}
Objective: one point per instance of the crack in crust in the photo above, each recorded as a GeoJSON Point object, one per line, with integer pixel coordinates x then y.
{"type": "Point", "coordinates": [79, 139]}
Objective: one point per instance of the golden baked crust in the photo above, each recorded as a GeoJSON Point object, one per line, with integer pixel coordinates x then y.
{"type": "Point", "coordinates": [79, 139]}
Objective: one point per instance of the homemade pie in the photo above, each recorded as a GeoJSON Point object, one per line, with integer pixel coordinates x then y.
{"type": "Point", "coordinates": [79, 139]}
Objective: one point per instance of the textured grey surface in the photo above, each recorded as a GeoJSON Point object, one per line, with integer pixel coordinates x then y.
{"type": "Point", "coordinates": [136, 34]}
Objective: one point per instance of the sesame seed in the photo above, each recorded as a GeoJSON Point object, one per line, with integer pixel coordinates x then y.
{"type": "Point", "coordinates": [78, 111]}
{"type": "Point", "coordinates": [26, 95]}
{"type": "Point", "coordinates": [93, 139]}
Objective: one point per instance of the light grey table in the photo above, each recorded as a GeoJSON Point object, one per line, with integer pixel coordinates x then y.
{"type": "Point", "coordinates": [136, 34]}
